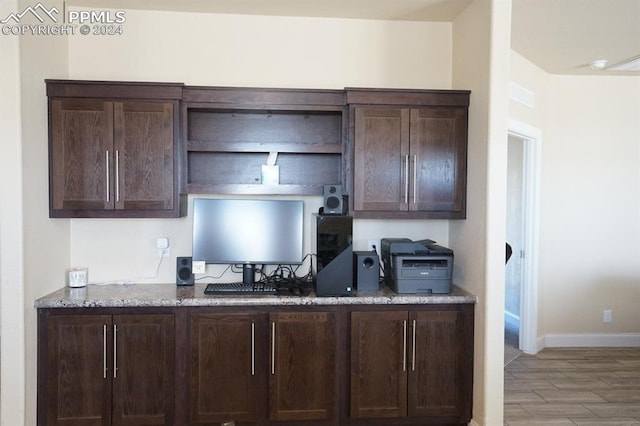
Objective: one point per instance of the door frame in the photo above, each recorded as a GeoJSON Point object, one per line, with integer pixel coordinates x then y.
{"type": "Point", "coordinates": [532, 139]}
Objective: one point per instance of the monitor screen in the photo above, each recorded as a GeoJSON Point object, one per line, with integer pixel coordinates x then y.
{"type": "Point", "coordinates": [248, 232]}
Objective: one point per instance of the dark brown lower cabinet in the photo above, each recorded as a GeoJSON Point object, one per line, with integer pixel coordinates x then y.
{"type": "Point", "coordinates": [224, 380]}
{"type": "Point", "coordinates": [255, 367]}
{"type": "Point", "coordinates": [350, 365]}
{"type": "Point", "coordinates": [378, 364]}
{"type": "Point", "coordinates": [302, 376]}
{"type": "Point", "coordinates": [107, 370]}
{"type": "Point", "coordinates": [412, 363]}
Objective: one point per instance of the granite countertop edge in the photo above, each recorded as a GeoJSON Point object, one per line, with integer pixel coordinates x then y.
{"type": "Point", "coordinates": [170, 295]}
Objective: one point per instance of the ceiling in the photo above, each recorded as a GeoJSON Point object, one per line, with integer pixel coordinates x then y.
{"type": "Point", "coordinates": [559, 36]}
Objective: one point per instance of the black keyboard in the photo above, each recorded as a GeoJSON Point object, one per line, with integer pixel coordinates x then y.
{"type": "Point", "coordinates": [231, 289]}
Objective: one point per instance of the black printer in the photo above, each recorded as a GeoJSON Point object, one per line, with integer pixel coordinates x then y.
{"type": "Point", "coordinates": [416, 266]}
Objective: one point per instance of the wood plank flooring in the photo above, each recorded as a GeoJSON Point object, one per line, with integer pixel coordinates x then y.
{"type": "Point", "coordinates": [574, 386]}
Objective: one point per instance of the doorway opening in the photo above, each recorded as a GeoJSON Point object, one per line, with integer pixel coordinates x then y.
{"type": "Point", "coordinates": [521, 274]}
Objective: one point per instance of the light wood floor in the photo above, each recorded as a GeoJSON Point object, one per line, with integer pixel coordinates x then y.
{"type": "Point", "coordinates": [574, 386]}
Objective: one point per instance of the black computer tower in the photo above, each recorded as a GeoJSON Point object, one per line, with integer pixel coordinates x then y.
{"type": "Point", "coordinates": [334, 249]}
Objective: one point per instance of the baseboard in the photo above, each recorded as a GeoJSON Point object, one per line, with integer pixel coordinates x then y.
{"type": "Point", "coordinates": [590, 340]}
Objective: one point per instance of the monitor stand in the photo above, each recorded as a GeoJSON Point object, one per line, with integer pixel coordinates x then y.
{"type": "Point", "coordinates": [248, 274]}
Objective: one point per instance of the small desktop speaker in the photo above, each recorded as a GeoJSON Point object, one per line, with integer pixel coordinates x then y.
{"type": "Point", "coordinates": [334, 275]}
{"type": "Point", "coordinates": [366, 270]}
{"type": "Point", "coordinates": [333, 201]}
{"type": "Point", "coordinates": [184, 271]}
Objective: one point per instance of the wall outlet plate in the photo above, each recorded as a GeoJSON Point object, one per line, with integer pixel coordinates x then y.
{"type": "Point", "coordinates": [162, 243]}
{"type": "Point", "coordinates": [198, 267]}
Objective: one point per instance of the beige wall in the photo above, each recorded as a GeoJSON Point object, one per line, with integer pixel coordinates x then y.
{"type": "Point", "coordinates": [239, 50]}
{"type": "Point", "coordinates": [590, 208]}
{"type": "Point", "coordinates": [525, 74]}
{"type": "Point", "coordinates": [589, 203]}
{"type": "Point", "coordinates": [235, 50]}
{"type": "Point", "coordinates": [46, 241]}
{"type": "Point", "coordinates": [481, 63]}
{"type": "Point", "coordinates": [12, 349]}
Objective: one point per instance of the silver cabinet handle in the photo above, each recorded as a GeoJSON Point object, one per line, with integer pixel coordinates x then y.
{"type": "Point", "coordinates": [413, 355]}
{"type": "Point", "coordinates": [104, 351]}
{"type": "Point", "coordinates": [253, 348]}
{"type": "Point", "coordinates": [115, 351]}
{"type": "Point", "coordinates": [404, 346]}
{"type": "Point", "coordinates": [273, 347]}
{"type": "Point", "coordinates": [117, 176]}
{"type": "Point", "coordinates": [415, 179]}
{"type": "Point", "coordinates": [106, 160]}
{"type": "Point", "coordinates": [406, 179]}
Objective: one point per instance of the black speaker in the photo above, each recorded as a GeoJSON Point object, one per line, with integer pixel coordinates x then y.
{"type": "Point", "coordinates": [366, 270]}
{"type": "Point", "coordinates": [184, 271]}
{"type": "Point", "coordinates": [334, 275]}
{"type": "Point", "coordinates": [333, 201]}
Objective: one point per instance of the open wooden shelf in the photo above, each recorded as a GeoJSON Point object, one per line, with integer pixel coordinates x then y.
{"type": "Point", "coordinates": [227, 147]}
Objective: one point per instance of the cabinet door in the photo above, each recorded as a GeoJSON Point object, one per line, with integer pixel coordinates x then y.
{"type": "Point", "coordinates": [223, 369]}
{"type": "Point", "coordinates": [378, 364]}
{"type": "Point", "coordinates": [143, 369]}
{"type": "Point", "coordinates": [438, 159]}
{"type": "Point", "coordinates": [81, 145]}
{"type": "Point", "coordinates": [143, 155]}
{"type": "Point", "coordinates": [79, 384]}
{"type": "Point", "coordinates": [440, 366]}
{"type": "Point", "coordinates": [302, 376]}
{"type": "Point", "coordinates": [381, 159]}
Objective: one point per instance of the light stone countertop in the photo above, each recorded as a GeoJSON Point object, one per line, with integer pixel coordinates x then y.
{"type": "Point", "coordinates": [170, 295]}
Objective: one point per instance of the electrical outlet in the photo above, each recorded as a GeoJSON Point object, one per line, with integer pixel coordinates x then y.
{"type": "Point", "coordinates": [607, 315]}
{"type": "Point", "coordinates": [163, 247]}
{"type": "Point", "coordinates": [198, 267]}
{"type": "Point", "coordinates": [371, 244]}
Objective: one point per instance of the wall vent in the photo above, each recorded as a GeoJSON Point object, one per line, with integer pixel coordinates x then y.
{"type": "Point", "coordinates": [522, 95]}
{"type": "Point", "coordinates": [632, 64]}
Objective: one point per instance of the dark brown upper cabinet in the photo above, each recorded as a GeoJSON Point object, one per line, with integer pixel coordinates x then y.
{"type": "Point", "coordinates": [113, 149]}
{"type": "Point", "coordinates": [120, 149]}
{"type": "Point", "coordinates": [409, 153]}
{"type": "Point", "coordinates": [231, 133]}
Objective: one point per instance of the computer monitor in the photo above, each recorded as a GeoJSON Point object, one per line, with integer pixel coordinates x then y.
{"type": "Point", "coordinates": [248, 232]}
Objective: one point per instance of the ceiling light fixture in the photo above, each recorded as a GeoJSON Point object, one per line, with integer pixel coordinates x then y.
{"type": "Point", "coordinates": [598, 64]}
